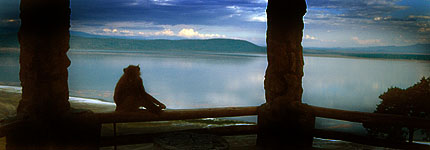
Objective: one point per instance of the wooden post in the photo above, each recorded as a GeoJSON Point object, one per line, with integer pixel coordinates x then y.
{"type": "Point", "coordinates": [282, 120]}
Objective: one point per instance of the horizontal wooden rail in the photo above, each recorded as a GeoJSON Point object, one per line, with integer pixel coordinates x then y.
{"type": "Point", "coordinates": [327, 134]}
{"type": "Point", "coordinates": [373, 118]}
{"type": "Point", "coordinates": [174, 114]}
{"type": "Point", "coordinates": [181, 114]}
{"type": "Point", "coordinates": [5, 127]}
{"type": "Point", "coordinates": [141, 116]}
{"type": "Point", "coordinates": [147, 138]}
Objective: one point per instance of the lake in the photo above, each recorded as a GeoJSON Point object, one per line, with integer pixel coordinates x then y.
{"type": "Point", "coordinates": [182, 79]}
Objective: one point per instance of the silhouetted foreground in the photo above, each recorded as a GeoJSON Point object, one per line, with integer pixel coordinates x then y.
{"type": "Point", "coordinates": [412, 102]}
{"type": "Point", "coordinates": [44, 42]}
{"type": "Point", "coordinates": [280, 126]}
{"type": "Point", "coordinates": [189, 140]}
{"type": "Point", "coordinates": [45, 120]}
{"type": "Point", "coordinates": [45, 109]}
{"type": "Point", "coordinates": [112, 117]}
{"type": "Point", "coordinates": [130, 93]}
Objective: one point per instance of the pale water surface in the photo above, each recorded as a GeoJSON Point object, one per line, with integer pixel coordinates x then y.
{"type": "Point", "coordinates": [198, 79]}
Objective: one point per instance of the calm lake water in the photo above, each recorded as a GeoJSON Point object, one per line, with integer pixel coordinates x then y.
{"type": "Point", "coordinates": [197, 79]}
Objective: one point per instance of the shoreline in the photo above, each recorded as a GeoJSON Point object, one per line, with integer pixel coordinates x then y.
{"type": "Point", "coordinates": [12, 95]}
{"type": "Point", "coordinates": [74, 99]}
{"type": "Point", "coordinates": [426, 57]}
{"type": "Point", "coordinates": [362, 58]}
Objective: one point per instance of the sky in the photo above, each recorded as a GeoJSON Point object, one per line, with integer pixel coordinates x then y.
{"type": "Point", "coordinates": [328, 23]}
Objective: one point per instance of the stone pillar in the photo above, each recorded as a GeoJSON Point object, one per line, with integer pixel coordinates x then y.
{"type": "Point", "coordinates": [44, 42]}
{"type": "Point", "coordinates": [44, 107]}
{"type": "Point", "coordinates": [74, 131]}
{"type": "Point", "coordinates": [283, 120]}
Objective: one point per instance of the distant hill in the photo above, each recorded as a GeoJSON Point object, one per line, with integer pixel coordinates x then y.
{"type": "Point", "coordinates": [417, 49]}
{"type": "Point", "coordinates": [92, 42]}
{"type": "Point", "coordinates": [410, 49]}
{"type": "Point", "coordinates": [417, 52]}
{"type": "Point", "coordinates": [214, 45]}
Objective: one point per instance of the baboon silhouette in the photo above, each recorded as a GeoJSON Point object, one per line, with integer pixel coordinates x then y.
{"type": "Point", "coordinates": [130, 94]}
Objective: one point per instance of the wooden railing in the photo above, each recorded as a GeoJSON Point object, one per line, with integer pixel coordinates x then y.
{"type": "Point", "coordinates": [175, 114]}
{"type": "Point", "coordinates": [6, 126]}
{"type": "Point", "coordinates": [181, 114]}
{"type": "Point", "coordinates": [353, 116]}
{"type": "Point", "coordinates": [371, 118]}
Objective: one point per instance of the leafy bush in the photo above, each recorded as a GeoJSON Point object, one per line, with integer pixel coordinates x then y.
{"type": "Point", "coordinates": [413, 101]}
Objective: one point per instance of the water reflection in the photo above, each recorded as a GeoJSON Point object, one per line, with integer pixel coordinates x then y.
{"type": "Point", "coordinates": [186, 80]}
{"type": "Point", "coordinates": [198, 79]}
{"type": "Point", "coordinates": [355, 84]}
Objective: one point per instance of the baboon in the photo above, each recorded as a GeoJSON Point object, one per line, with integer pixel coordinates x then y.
{"type": "Point", "coordinates": [130, 94]}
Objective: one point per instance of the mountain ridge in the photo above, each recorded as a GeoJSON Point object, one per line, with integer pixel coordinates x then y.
{"type": "Point", "coordinates": [215, 45]}
{"type": "Point", "coordinates": [417, 51]}
{"type": "Point", "coordinates": [108, 43]}
{"type": "Point", "coordinates": [416, 48]}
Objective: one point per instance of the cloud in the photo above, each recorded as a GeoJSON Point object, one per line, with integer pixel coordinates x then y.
{"type": "Point", "coordinates": [419, 17]}
{"type": "Point", "coordinates": [190, 33]}
{"type": "Point", "coordinates": [165, 32]}
{"type": "Point", "coordinates": [184, 32]}
{"type": "Point", "coordinates": [424, 30]}
{"type": "Point", "coordinates": [247, 13]}
{"type": "Point", "coordinates": [357, 9]}
{"type": "Point", "coordinates": [171, 12]}
{"type": "Point", "coordinates": [11, 20]}
{"type": "Point", "coordinates": [125, 32]}
{"type": "Point", "coordinates": [9, 23]}
{"type": "Point", "coordinates": [163, 2]}
{"type": "Point", "coordinates": [366, 42]}
{"type": "Point", "coordinates": [151, 30]}
{"type": "Point", "coordinates": [261, 17]}
{"type": "Point", "coordinates": [236, 9]}
{"type": "Point", "coordinates": [308, 37]}
{"type": "Point", "coordinates": [115, 32]}
{"type": "Point", "coordinates": [107, 30]}
{"type": "Point", "coordinates": [378, 20]}
{"type": "Point", "coordinates": [352, 11]}
{"type": "Point", "coordinates": [243, 19]}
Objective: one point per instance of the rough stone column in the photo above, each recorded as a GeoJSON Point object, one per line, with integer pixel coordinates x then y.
{"type": "Point", "coordinates": [44, 108]}
{"type": "Point", "coordinates": [282, 120]}
{"type": "Point", "coordinates": [44, 42]}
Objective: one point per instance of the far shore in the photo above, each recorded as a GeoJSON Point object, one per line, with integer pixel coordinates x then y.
{"type": "Point", "coordinates": [425, 57]}
{"type": "Point", "coordinates": [363, 58]}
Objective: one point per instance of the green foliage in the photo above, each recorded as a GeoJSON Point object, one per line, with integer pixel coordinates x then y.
{"type": "Point", "coordinates": [413, 101]}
